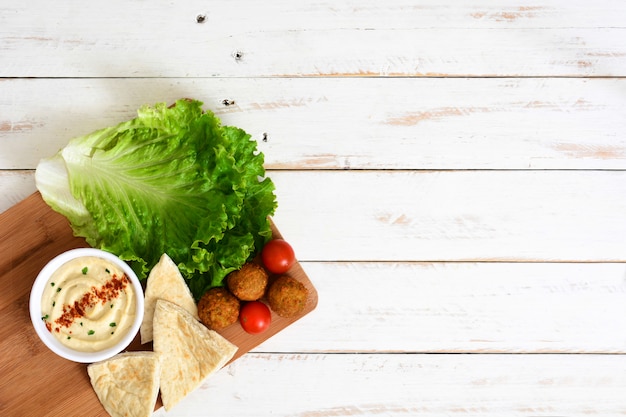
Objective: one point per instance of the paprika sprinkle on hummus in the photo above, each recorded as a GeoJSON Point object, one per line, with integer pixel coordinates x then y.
{"type": "Point", "coordinates": [106, 293]}
{"type": "Point", "coordinates": [89, 304]}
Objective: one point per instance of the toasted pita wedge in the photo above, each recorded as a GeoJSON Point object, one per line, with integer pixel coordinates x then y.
{"type": "Point", "coordinates": [190, 351]}
{"type": "Point", "coordinates": [165, 282]}
{"type": "Point", "coordinates": [127, 385]}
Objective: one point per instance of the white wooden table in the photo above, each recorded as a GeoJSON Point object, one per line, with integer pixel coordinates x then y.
{"type": "Point", "coordinates": [452, 175]}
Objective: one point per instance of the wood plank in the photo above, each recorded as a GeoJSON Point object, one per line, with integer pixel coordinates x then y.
{"type": "Point", "coordinates": [242, 39]}
{"type": "Point", "coordinates": [320, 15]}
{"type": "Point", "coordinates": [406, 307]}
{"type": "Point", "coordinates": [502, 216]}
{"type": "Point", "coordinates": [416, 385]}
{"type": "Point", "coordinates": [347, 123]}
{"type": "Point", "coordinates": [555, 216]}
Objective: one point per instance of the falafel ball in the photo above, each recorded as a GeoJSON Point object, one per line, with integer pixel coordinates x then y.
{"type": "Point", "coordinates": [287, 296]}
{"type": "Point", "coordinates": [248, 283]}
{"type": "Point", "coordinates": [218, 308]}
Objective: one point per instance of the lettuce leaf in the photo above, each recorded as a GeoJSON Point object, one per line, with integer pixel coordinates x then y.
{"type": "Point", "coordinates": [173, 180]}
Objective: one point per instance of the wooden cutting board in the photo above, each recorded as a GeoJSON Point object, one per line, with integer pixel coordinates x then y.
{"type": "Point", "coordinates": [33, 380]}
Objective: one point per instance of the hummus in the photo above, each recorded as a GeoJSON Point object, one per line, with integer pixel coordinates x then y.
{"type": "Point", "coordinates": [88, 304]}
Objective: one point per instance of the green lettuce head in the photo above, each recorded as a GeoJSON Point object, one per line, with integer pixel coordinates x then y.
{"type": "Point", "coordinates": [173, 180]}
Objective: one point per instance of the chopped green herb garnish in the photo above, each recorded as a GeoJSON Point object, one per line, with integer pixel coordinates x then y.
{"type": "Point", "coordinates": [52, 284]}
{"type": "Point", "coordinates": [69, 337]}
{"type": "Point", "coordinates": [111, 305]}
{"type": "Point", "coordinates": [107, 269]}
{"type": "Point", "coordinates": [90, 332]}
{"type": "Point", "coordinates": [54, 303]}
{"type": "Point", "coordinates": [81, 323]}
{"type": "Point", "coordinates": [84, 270]}
{"type": "Point", "coordinates": [59, 289]}
{"type": "Point", "coordinates": [45, 317]}
{"type": "Point", "coordinates": [112, 324]}
{"type": "Point", "coordinates": [112, 332]}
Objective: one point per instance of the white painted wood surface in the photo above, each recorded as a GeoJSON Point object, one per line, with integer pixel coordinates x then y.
{"type": "Point", "coordinates": [306, 385]}
{"type": "Point", "coordinates": [452, 175]}
{"type": "Point", "coordinates": [406, 38]}
{"type": "Point", "coordinates": [399, 123]}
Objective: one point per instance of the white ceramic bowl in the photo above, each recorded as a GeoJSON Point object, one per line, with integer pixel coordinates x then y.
{"type": "Point", "coordinates": [52, 342]}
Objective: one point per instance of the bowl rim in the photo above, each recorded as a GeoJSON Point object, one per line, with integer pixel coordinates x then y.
{"type": "Point", "coordinates": [35, 306]}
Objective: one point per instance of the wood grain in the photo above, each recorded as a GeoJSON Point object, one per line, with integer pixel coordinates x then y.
{"type": "Point", "coordinates": [459, 307]}
{"type": "Point", "coordinates": [487, 216]}
{"type": "Point", "coordinates": [403, 123]}
{"type": "Point", "coordinates": [28, 240]}
{"type": "Point", "coordinates": [314, 39]}
{"type": "Point", "coordinates": [30, 235]}
{"type": "Point", "coordinates": [416, 385]}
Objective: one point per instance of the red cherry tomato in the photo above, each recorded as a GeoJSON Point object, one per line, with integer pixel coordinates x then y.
{"type": "Point", "coordinates": [278, 256]}
{"type": "Point", "coordinates": [255, 317]}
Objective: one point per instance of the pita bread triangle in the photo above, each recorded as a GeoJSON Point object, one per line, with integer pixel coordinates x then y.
{"type": "Point", "coordinates": [165, 282]}
{"type": "Point", "coordinates": [127, 385]}
{"type": "Point", "coordinates": [189, 350]}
